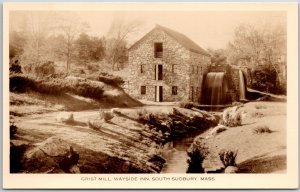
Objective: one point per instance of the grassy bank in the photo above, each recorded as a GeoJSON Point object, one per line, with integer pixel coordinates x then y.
{"type": "Point", "coordinates": [29, 95]}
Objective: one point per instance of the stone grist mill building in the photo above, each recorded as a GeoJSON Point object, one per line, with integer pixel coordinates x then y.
{"type": "Point", "coordinates": [165, 65]}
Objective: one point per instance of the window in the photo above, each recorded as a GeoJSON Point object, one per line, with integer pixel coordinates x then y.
{"type": "Point", "coordinates": [174, 90]}
{"type": "Point", "coordinates": [197, 70]}
{"type": "Point", "coordinates": [193, 69]}
{"type": "Point", "coordinates": [192, 93]}
{"type": "Point", "coordinates": [143, 90]}
{"type": "Point", "coordinates": [142, 68]}
{"type": "Point", "coordinates": [174, 68]}
{"type": "Point", "coordinates": [158, 50]}
{"type": "Point", "coordinates": [158, 72]}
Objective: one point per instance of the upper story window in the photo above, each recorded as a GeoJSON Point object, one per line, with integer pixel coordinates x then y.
{"type": "Point", "coordinates": [158, 50]}
{"type": "Point", "coordinates": [174, 68]}
{"type": "Point", "coordinates": [142, 68]}
{"type": "Point", "coordinates": [193, 69]}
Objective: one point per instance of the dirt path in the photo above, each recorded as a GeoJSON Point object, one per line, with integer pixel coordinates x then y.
{"type": "Point", "coordinates": [121, 137]}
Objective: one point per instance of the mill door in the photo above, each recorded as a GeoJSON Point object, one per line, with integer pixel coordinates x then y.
{"type": "Point", "coordinates": [158, 93]}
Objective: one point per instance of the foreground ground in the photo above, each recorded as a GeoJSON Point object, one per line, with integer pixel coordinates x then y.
{"type": "Point", "coordinates": [132, 146]}
{"type": "Point", "coordinates": [256, 152]}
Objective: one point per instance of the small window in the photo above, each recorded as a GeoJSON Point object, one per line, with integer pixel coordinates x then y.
{"type": "Point", "coordinates": [174, 68]}
{"type": "Point", "coordinates": [192, 93]}
{"type": "Point", "coordinates": [193, 70]}
{"type": "Point", "coordinates": [174, 90]}
{"type": "Point", "coordinates": [142, 68]}
{"type": "Point", "coordinates": [143, 90]}
{"type": "Point", "coordinates": [158, 50]}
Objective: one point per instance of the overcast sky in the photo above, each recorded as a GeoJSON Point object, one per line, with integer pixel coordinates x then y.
{"type": "Point", "coordinates": [209, 29]}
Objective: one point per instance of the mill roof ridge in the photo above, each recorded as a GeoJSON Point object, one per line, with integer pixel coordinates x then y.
{"type": "Point", "coordinates": [180, 38]}
{"type": "Point", "coordinates": [183, 40]}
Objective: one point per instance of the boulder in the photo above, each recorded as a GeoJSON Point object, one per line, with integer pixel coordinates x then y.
{"type": "Point", "coordinates": [218, 129]}
{"type": "Point", "coordinates": [231, 169]}
{"type": "Point", "coordinates": [52, 155]}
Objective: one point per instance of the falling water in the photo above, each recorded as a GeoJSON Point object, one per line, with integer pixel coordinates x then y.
{"type": "Point", "coordinates": [215, 89]}
{"type": "Point", "coordinates": [242, 86]}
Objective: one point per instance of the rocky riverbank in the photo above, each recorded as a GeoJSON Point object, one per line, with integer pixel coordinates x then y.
{"type": "Point", "coordinates": [129, 141]}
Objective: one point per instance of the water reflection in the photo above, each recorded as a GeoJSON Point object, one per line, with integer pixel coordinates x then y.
{"type": "Point", "coordinates": [175, 153]}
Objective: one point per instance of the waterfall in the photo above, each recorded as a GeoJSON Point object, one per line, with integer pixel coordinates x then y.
{"type": "Point", "coordinates": [215, 89]}
{"type": "Point", "coordinates": [242, 86]}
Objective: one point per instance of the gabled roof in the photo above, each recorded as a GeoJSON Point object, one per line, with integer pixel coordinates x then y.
{"type": "Point", "coordinates": [179, 37]}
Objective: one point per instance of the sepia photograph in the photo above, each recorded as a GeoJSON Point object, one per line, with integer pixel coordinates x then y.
{"type": "Point", "coordinates": [154, 91]}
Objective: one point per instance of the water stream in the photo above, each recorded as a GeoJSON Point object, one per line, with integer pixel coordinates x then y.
{"type": "Point", "coordinates": [215, 89]}
{"type": "Point", "coordinates": [176, 155]}
{"type": "Point", "coordinates": [242, 86]}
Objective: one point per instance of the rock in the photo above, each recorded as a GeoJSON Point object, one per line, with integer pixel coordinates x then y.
{"type": "Point", "coordinates": [64, 116]}
{"type": "Point", "coordinates": [218, 129]}
{"type": "Point", "coordinates": [106, 115]}
{"type": "Point", "coordinates": [69, 161]}
{"type": "Point", "coordinates": [74, 169]}
{"type": "Point", "coordinates": [264, 98]}
{"type": "Point", "coordinates": [53, 146]}
{"type": "Point", "coordinates": [115, 111]}
{"type": "Point", "coordinates": [231, 169]}
{"type": "Point", "coordinates": [183, 112]}
{"type": "Point", "coordinates": [52, 154]}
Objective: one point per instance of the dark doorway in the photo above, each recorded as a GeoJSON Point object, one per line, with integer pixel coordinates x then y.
{"type": "Point", "coordinates": [158, 93]}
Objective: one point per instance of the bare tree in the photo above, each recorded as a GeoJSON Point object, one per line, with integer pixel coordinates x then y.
{"type": "Point", "coordinates": [117, 36]}
{"type": "Point", "coordinates": [37, 31]}
{"type": "Point", "coordinates": [262, 47]}
{"type": "Point", "coordinates": [69, 28]}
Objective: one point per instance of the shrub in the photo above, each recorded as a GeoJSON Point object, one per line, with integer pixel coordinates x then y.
{"type": "Point", "coordinates": [57, 86]}
{"type": "Point", "coordinates": [264, 80]}
{"type": "Point", "coordinates": [108, 79]}
{"type": "Point", "coordinates": [232, 117]}
{"type": "Point", "coordinates": [12, 130]}
{"type": "Point", "coordinates": [20, 83]}
{"type": "Point", "coordinates": [16, 156]}
{"type": "Point", "coordinates": [228, 157]}
{"type": "Point", "coordinates": [44, 69]}
{"type": "Point", "coordinates": [15, 67]}
{"type": "Point", "coordinates": [69, 120]}
{"type": "Point", "coordinates": [146, 117]}
{"type": "Point", "coordinates": [96, 124]}
{"type": "Point", "coordinates": [262, 129]}
{"type": "Point", "coordinates": [196, 155]}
